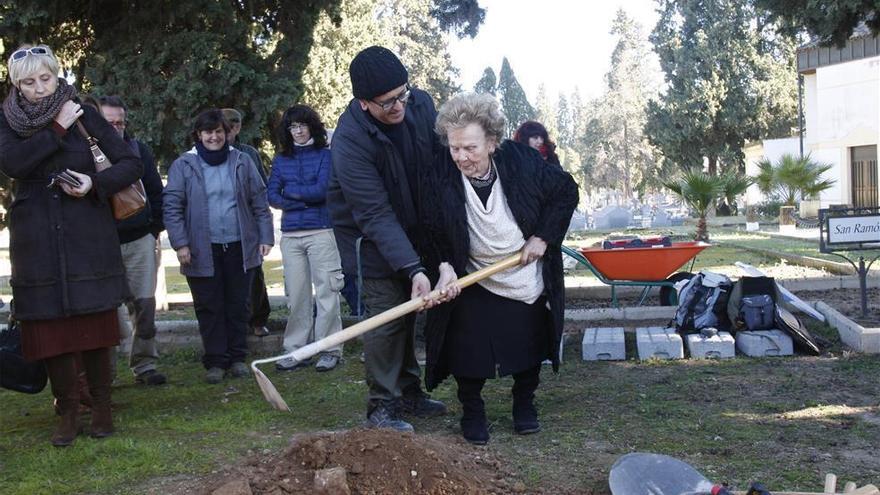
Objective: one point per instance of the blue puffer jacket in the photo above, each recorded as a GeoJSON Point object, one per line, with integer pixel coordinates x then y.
{"type": "Point", "coordinates": [298, 187]}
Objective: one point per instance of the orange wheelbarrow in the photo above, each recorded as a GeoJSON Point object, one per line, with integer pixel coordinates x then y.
{"type": "Point", "coordinates": [646, 267]}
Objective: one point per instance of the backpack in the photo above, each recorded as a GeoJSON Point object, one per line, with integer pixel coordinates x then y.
{"type": "Point", "coordinates": [752, 304]}
{"type": "Point", "coordinates": [702, 303]}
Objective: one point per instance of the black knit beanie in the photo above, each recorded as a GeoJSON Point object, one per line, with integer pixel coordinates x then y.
{"type": "Point", "coordinates": [375, 71]}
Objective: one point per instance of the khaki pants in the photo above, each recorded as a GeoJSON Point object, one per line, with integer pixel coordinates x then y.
{"type": "Point", "coordinates": [137, 317]}
{"type": "Point", "coordinates": [311, 260]}
{"type": "Point", "coordinates": [389, 357]}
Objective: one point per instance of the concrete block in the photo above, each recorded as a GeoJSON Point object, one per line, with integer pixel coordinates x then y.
{"type": "Point", "coordinates": [659, 342]}
{"type": "Point", "coordinates": [603, 344]}
{"type": "Point", "coordinates": [720, 346]}
{"type": "Point", "coordinates": [649, 312]}
{"type": "Point", "coordinates": [851, 333]}
{"type": "Point", "coordinates": [761, 343]}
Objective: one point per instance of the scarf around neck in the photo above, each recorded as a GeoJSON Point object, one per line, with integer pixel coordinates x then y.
{"type": "Point", "coordinates": [26, 118]}
{"type": "Point", "coordinates": [212, 158]}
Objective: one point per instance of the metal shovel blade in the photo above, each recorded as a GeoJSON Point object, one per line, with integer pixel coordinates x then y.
{"type": "Point", "coordinates": [655, 474]}
{"type": "Point", "coordinates": [269, 391]}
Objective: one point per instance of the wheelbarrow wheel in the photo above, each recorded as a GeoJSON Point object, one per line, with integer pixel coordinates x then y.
{"type": "Point", "coordinates": [668, 297]}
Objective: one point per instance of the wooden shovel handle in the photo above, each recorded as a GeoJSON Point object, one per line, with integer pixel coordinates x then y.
{"type": "Point", "coordinates": [396, 312]}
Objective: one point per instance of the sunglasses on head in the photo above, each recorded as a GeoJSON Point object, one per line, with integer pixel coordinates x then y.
{"type": "Point", "coordinates": [36, 50]}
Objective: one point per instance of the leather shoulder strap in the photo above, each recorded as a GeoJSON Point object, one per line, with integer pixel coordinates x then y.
{"type": "Point", "coordinates": [82, 130]}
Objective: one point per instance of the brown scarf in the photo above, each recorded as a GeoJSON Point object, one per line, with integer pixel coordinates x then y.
{"type": "Point", "coordinates": [26, 118]}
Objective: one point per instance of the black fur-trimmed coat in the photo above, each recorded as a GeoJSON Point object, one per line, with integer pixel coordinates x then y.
{"type": "Point", "coordinates": [542, 199]}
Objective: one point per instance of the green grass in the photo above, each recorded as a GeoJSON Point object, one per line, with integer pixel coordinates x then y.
{"type": "Point", "coordinates": [175, 283]}
{"type": "Point", "coordinates": [735, 420]}
{"type": "Point", "coordinates": [800, 247]}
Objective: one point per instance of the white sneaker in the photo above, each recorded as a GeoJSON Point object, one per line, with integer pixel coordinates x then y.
{"type": "Point", "coordinates": [326, 362]}
{"type": "Point", "coordinates": [289, 364]}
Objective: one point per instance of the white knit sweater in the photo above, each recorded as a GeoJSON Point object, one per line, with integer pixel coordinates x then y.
{"type": "Point", "coordinates": [494, 235]}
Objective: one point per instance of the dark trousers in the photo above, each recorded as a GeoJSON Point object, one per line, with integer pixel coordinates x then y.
{"type": "Point", "coordinates": [222, 304]}
{"type": "Point", "coordinates": [352, 296]}
{"type": "Point", "coordinates": [260, 308]}
{"type": "Point", "coordinates": [389, 357]}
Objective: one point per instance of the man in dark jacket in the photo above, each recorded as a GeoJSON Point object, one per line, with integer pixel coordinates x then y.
{"type": "Point", "coordinates": [141, 253]}
{"type": "Point", "coordinates": [382, 141]}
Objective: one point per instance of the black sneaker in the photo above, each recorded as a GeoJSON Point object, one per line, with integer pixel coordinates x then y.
{"type": "Point", "coordinates": [421, 405]}
{"type": "Point", "coordinates": [384, 416]}
{"type": "Point", "coordinates": [151, 377]}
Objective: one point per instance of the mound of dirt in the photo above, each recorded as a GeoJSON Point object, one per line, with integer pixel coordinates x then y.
{"type": "Point", "coordinates": [371, 462]}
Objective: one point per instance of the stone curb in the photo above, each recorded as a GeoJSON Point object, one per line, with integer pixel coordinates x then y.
{"type": "Point", "coordinates": [851, 333]}
{"type": "Point", "coordinates": [624, 314]}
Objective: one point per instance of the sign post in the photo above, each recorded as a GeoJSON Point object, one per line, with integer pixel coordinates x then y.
{"type": "Point", "coordinates": [851, 229]}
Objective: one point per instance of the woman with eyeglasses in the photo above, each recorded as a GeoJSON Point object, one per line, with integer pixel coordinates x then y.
{"type": "Point", "coordinates": [67, 274]}
{"type": "Point", "coordinates": [493, 198]}
{"type": "Point", "coordinates": [298, 187]}
{"type": "Point", "coordinates": [215, 211]}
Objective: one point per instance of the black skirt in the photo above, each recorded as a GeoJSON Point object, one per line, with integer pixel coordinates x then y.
{"type": "Point", "coordinates": [488, 332]}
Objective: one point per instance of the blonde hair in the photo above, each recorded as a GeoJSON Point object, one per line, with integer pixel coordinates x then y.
{"type": "Point", "coordinates": [32, 62]}
{"type": "Point", "coordinates": [471, 108]}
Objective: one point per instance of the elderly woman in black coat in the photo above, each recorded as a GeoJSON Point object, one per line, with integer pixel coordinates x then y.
{"type": "Point", "coordinates": [491, 199]}
{"type": "Point", "coordinates": [67, 274]}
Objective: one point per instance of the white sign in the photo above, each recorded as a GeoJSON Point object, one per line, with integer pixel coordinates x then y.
{"type": "Point", "coordinates": [853, 229]}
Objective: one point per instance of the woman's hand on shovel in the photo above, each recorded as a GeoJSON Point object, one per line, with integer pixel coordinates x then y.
{"type": "Point", "coordinates": [448, 283]}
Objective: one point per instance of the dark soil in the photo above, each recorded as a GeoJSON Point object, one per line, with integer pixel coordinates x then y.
{"type": "Point", "coordinates": [849, 303]}
{"type": "Point", "coordinates": [375, 462]}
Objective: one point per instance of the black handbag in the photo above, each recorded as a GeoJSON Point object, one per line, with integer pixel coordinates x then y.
{"type": "Point", "coordinates": [15, 372]}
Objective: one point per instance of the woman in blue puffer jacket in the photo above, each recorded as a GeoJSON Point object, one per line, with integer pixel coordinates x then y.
{"type": "Point", "coordinates": [298, 186]}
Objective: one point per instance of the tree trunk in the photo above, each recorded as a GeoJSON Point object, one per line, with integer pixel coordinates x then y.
{"type": "Point", "coordinates": [713, 166]}
{"type": "Point", "coordinates": [627, 189]}
{"type": "Point", "coordinates": [702, 230]}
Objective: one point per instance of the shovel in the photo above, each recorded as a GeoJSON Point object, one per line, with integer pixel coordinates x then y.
{"type": "Point", "coordinates": [642, 473]}
{"type": "Point", "coordinates": [271, 393]}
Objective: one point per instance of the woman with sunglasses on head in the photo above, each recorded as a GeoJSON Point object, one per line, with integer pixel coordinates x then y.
{"type": "Point", "coordinates": [218, 221]}
{"type": "Point", "coordinates": [67, 275]}
{"type": "Point", "coordinates": [298, 187]}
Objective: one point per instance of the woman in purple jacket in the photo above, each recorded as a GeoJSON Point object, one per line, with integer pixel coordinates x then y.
{"type": "Point", "coordinates": [298, 186]}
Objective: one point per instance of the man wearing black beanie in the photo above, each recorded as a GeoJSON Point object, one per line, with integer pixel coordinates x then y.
{"type": "Point", "coordinates": [382, 141]}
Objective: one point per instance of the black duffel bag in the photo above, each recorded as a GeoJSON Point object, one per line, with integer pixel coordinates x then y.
{"type": "Point", "coordinates": [16, 373]}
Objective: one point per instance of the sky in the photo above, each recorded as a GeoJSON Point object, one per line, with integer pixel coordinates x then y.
{"type": "Point", "coordinates": [561, 43]}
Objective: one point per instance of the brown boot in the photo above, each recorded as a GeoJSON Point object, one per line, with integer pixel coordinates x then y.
{"type": "Point", "coordinates": [85, 397]}
{"type": "Point", "coordinates": [62, 373]}
{"type": "Point", "coordinates": [100, 375]}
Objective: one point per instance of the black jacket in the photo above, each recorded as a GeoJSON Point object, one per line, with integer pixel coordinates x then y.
{"type": "Point", "coordinates": [64, 250]}
{"type": "Point", "coordinates": [148, 220]}
{"type": "Point", "coordinates": [541, 198]}
{"type": "Point", "coordinates": [369, 195]}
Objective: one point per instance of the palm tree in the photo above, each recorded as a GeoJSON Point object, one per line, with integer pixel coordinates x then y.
{"type": "Point", "coordinates": [792, 178]}
{"type": "Point", "coordinates": [734, 184]}
{"type": "Point", "coordinates": [699, 191]}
